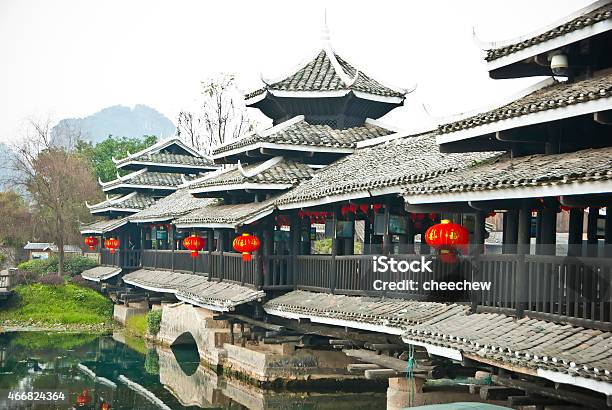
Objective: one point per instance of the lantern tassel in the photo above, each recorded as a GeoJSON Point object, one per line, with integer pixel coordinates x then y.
{"type": "Point", "coordinates": [246, 257]}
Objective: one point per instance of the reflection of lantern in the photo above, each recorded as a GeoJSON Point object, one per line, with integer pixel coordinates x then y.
{"type": "Point", "coordinates": [105, 406]}
{"type": "Point", "coordinates": [447, 237]}
{"type": "Point", "coordinates": [112, 244]}
{"type": "Point", "coordinates": [83, 399]}
{"type": "Point", "coordinates": [246, 244]}
{"type": "Point", "coordinates": [194, 243]}
{"type": "Point", "coordinates": [91, 241]}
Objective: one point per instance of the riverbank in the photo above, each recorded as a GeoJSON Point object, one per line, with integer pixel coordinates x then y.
{"type": "Point", "coordinates": [58, 308]}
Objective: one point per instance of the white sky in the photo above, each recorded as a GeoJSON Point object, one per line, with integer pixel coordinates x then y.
{"type": "Point", "coordinates": [66, 58]}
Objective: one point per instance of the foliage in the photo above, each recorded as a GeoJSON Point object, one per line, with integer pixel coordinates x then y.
{"type": "Point", "coordinates": [25, 277]}
{"type": "Point", "coordinates": [100, 155]}
{"type": "Point", "coordinates": [58, 181]}
{"type": "Point", "coordinates": [322, 246]}
{"type": "Point", "coordinates": [151, 364]}
{"type": "Point", "coordinates": [73, 265]}
{"type": "Point", "coordinates": [154, 321]}
{"type": "Point", "coordinates": [16, 220]}
{"type": "Point", "coordinates": [84, 283]}
{"type": "Point", "coordinates": [66, 304]}
{"type": "Point", "coordinates": [51, 340]}
{"type": "Point", "coordinates": [2, 258]}
{"type": "Point", "coordinates": [136, 325]}
{"type": "Point", "coordinates": [51, 279]}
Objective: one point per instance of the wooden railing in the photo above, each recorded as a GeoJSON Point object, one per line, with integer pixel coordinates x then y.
{"type": "Point", "coordinates": [574, 290]}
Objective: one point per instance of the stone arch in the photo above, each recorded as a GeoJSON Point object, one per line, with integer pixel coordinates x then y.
{"type": "Point", "coordinates": [182, 322]}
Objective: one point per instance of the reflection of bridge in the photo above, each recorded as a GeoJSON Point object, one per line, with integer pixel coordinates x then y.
{"type": "Point", "coordinates": [206, 389]}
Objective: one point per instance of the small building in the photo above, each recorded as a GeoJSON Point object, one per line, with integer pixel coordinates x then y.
{"type": "Point", "coordinates": [44, 250]}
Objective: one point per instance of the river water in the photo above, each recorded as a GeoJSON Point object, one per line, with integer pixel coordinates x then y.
{"type": "Point", "coordinates": [114, 372]}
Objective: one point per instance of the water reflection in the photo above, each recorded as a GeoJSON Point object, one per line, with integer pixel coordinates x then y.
{"type": "Point", "coordinates": [117, 373]}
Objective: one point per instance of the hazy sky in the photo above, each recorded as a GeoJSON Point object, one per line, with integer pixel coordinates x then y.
{"type": "Point", "coordinates": [66, 58]}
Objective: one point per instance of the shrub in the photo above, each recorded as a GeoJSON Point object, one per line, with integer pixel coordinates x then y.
{"type": "Point", "coordinates": [154, 321]}
{"type": "Point", "coordinates": [73, 265]}
{"type": "Point", "coordinates": [51, 279]}
{"type": "Point", "coordinates": [84, 283]}
{"type": "Point", "coordinates": [151, 364]}
{"type": "Point", "coordinates": [26, 277]}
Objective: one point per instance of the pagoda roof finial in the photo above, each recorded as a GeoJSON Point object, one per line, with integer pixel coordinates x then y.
{"type": "Point", "coordinates": [325, 36]}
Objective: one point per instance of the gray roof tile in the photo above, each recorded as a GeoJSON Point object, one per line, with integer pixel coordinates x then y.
{"type": "Point", "coordinates": [315, 135]}
{"type": "Point", "coordinates": [285, 171]}
{"type": "Point", "coordinates": [583, 21]}
{"type": "Point", "coordinates": [136, 201]}
{"type": "Point", "coordinates": [532, 170]}
{"type": "Point", "coordinates": [165, 179]}
{"type": "Point", "coordinates": [557, 95]}
{"type": "Point", "coordinates": [218, 213]}
{"type": "Point", "coordinates": [320, 75]}
{"type": "Point", "coordinates": [103, 226]}
{"type": "Point", "coordinates": [170, 159]}
{"type": "Point", "coordinates": [172, 206]}
{"type": "Point", "coordinates": [400, 161]}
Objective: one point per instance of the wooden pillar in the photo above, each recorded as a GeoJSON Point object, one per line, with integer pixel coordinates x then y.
{"type": "Point", "coordinates": [511, 230]}
{"type": "Point", "coordinates": [592, 231]}
{"type": "Point", "coordinates": [334, 250]}
{"type": "Point", "coordinates": [504, 232]}
{"type": "Point", "coordinates": [294, 250]}
{"type": "Point", "coordinates": [387, 238]}
{"type": "Point", "coordinates": [267, 248]}
{"type": "Point", "coordinates": [608, 233]}
{"type": "Point", "coordinates": [305, 244]}
{"type": "Point", "coordinates": [522, 273]}
{"type": "Point", "coordinates": [410, 232]}
{"type": "Point", "coordinates": [349, 243]}
{"type": "Point", "coordinates": [210, 247]}
{"type": "Point", "coordinates": [548, 231]}
{"type": "Point", "coordinates": [576, 227]}
{"type": "Point", "coordinates": [222, 242]}
{"type": "Point", "coordinates": [479, 232]}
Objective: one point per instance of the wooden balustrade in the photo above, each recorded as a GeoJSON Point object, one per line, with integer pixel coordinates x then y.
{"type": "Point", "coordinates": [567, 289]}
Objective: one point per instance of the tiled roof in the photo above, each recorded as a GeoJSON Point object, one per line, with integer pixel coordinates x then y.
{"type": "Point", "coordinates": [320, 75]}
{"type": "Point", "coordinates": [103, 226]}
{"type": "Point", "coordinates": [555, 96]}
{"type": "Point", "coordinates": [147, 178]}
{"type": "Point", "coordinates": [314, 135]}
{"type": "Point", "coordinates": [169, 159]}
{"type": "Point", "coordinates": [234, 215]}
{"type": "Point", "coordinates": [195, 289]}
{"type": "Point", "coordinates": [578, 23]}
{"type": "Point", "coordinates": [400, 161]}
{"type": "Point", "coordinates": [522, 343]}
{"type": "Point", "coordinates": [280, 171]}
{"type": "Point", "coordinates": [528, 171]}
{"type": "Point", "coordinates": [174, 205]}
{"type": "Point", "coordinates": [129, 201]}
{"type": "Point", "coordinates": [100, 273]}
{"type": "Point", "coordinates": [530, 344]}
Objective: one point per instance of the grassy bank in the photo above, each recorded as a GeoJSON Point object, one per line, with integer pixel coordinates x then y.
{"type": "Point", "coordinates": [67, 305]}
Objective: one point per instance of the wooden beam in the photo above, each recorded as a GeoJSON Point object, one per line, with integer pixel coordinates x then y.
{"type": "Point", "coordinates": [361, 367]}
{"type": "Point", "coordinates": [384, 361]}
{"type": "Point", "coordinates": [603, 117]}
{"type": "Point", "coordinates": [374, 374]}
{"type": "Point", "coordinates": [584, 201]}
{"type": "Point", "coordinates": [457, 207]}
{"type": "Point", "coordinates": [253, 322]}
{"type": "Point", "coordinates": [561, 394]}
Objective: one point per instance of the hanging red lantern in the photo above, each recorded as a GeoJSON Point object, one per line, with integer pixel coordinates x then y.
{"type": "Point", "coordinates": [246, 244]}
{"type": "Point", "coordinates": [83, 399]}
{"type": "Point", "coordinates": [376, 207]}
{"type": "Point", "coordinates": [194, 243]}
{"type": "Point", "coordinates": [112, 244]}
{"type": "Point", "coordinates": [91, 241]}
{"type": "Point", "coordinates": [447, 237]}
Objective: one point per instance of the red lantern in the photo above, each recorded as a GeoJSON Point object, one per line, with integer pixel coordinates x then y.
{"type": "Point", "coordinates": [84, 398]}
{"type": "Point", "coordinates": [112, 244]}
{"type": "Point", "coordinates": [447, 237]}
{"type": "Point", "coordinates": [246, 244]}
{"type": "Point", "coordinates": [194, 243]}
{"type": "Point", "coordinates": [91, 241]}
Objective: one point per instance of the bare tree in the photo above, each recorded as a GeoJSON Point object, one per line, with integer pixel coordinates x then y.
{"type": "Point", "coordinates": [58, 181]}
{"type": "Point", "coordinates": [222, 117]}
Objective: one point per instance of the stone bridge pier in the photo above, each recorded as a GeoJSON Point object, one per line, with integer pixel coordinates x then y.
{"type": "Point", "coordinates": [182, 320]}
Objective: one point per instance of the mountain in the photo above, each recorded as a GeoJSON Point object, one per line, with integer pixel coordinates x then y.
{"type": "Point", "coordinates": [118, 120]}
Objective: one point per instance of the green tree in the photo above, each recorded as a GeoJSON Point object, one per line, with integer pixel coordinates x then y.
{"type": "Point", "coordinates": [16, 219]}
{"type": "Point", "coordinates": [100, 155]}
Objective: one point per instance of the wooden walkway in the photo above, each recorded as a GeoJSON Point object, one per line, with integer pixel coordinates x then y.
{"type": "Point", "coordinates": [194, 289]}
{"type": "Point", "coordinates": [561, 353]}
